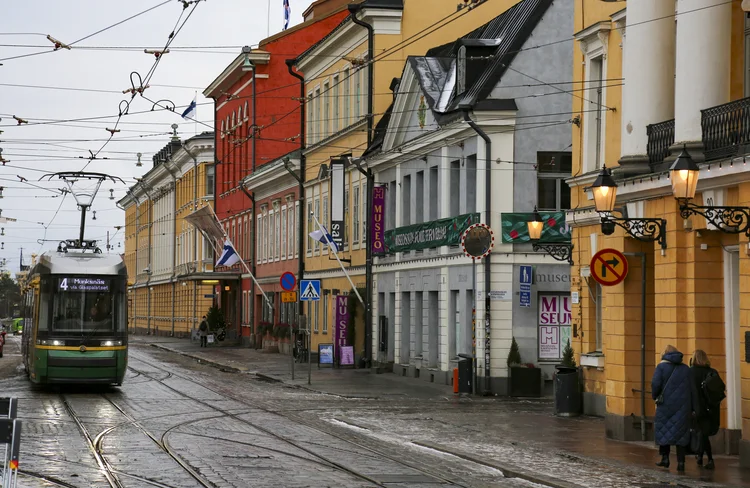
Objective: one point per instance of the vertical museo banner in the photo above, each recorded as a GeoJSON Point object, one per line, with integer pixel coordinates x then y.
{"type": "Point", "coordinates": [341, 320]}
{"type": "Point", "coordinates": [337, 192]}
{"type": "Point", "coordinates": [377, 221]}
{"type": "Point", "coordinates": [554, 317]}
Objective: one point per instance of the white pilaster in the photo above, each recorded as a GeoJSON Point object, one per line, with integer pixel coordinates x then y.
{"type": "Point", "coordinates": [648, 70]}
{"type": "Point", "coordinates": [443, 342]}
{"type": "Point", "coordinates": [703, 62]}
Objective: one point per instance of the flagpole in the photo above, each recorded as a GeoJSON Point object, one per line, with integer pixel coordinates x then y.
{"type": "Point", "coordinates": [247, 268]}
{"type": "Point", "coordinates": [336, 254]}
{"type": "Point", "coordinates": [196, 113]}
{"type": "Point", "coordinates": [268, 23]}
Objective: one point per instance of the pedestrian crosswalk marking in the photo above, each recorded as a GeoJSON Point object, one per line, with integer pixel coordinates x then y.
{"type": "Point", "coordinates": [310, 292]}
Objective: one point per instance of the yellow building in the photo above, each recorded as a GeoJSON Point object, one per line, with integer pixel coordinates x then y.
{"type": "Point", "coordinates": [336, 83]}
{"type": "Point", "coordinates": [670, 81]}
{"type": "Point", "coordinates": [169, 262]}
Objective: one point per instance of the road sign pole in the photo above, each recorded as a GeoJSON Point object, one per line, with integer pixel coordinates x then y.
{"type": "Point", "coordinates": [474, 326]}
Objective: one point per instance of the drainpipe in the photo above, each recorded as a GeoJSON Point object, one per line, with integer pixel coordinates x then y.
{"type": "Point", "coordinates": [353, 10]}
{"type": "Point", "coordinates": [251, 196]}
{"type": "Point", "coordinates": [487, 202]}
{"type": "Point", "coordinates": [301, 181]}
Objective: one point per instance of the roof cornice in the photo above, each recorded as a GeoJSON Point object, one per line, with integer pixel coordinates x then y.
{"type": "Point", "coordinates": [234, 73]}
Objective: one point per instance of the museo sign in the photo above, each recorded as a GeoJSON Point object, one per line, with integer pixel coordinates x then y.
{"type": "Point", "coordinates": [428, 235]}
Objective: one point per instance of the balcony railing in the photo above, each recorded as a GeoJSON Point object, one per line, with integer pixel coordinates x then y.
{"type": "Point", "coordinates": [726, 129]}
{"type": "Point", "coordinates": [660, 137]}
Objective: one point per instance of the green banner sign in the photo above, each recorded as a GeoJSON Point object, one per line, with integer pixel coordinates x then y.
{"type": "Point", "coordinates": [427, 235]}
{"type": "Point", "coordinates": [515, 228]}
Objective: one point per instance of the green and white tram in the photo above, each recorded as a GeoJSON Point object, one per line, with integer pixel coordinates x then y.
{"type": "Point", "coordinates": [78, 327]}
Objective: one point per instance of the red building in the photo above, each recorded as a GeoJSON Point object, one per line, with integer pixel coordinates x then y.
{"type": "Point", "coordinates": [242, 151]}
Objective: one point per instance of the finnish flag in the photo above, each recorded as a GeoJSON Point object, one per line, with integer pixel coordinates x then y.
{"type": "Point", "coordinates": [287, 12]}
{"type": "Point", "coordinates": [229, 256]}
{"type": "Point", "coordinates": [191, 111]}
{"type": "Point", "coordinates": [324, 237]}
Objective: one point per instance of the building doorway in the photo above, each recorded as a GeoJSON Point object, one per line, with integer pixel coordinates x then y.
{"type": "Point", "coordinates": [732, 342]}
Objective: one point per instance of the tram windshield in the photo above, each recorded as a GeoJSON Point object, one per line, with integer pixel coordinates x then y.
{"type": "Point", "coordinates": [85, 306]}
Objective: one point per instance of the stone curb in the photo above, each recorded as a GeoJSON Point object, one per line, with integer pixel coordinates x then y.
{"type": "Point", "coordinates": [509, 470]}
{"type": "Point", "coordinates": [215, 364]}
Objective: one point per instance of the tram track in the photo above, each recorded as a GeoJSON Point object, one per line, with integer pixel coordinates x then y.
{"type": "Point", "coordinates": [113, 475]}
{"type": "Point", "coordinates": [270, 409]}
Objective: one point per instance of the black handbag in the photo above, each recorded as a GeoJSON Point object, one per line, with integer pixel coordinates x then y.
{"type": "Point", "coordinates": [696, 440]}
{"type": "Point", "coordinates": [660, 398]}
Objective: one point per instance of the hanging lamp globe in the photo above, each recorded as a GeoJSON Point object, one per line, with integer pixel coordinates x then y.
{"type": "Point", "coordinates": [605, 191]}
{"type": "Point", "coordinates": [535, 226]}
{"type": "Point", "coordinates": [684, 175]}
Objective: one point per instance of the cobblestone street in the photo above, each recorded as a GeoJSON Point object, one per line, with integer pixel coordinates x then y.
{"type": "Point", "coordinates": [178, 423]}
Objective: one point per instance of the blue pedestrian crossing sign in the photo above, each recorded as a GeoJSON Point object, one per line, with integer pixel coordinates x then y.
{"type": "Point", "coordinates": [309, 290]}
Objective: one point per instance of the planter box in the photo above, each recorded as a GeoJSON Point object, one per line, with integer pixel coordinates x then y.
{"type": "Point", "coordinates": [525, 382]}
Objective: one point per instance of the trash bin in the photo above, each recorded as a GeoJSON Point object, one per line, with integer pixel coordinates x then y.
{"type": "Point", "coordinates": [567, 392]}
{"type": "Point", "coordinates": [465, 373]}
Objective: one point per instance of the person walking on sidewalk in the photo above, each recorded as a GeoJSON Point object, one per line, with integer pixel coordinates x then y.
{"type": "Point", "coordinates": [203, 331]}
{"type": "Point", "coordinates": [676, 398]}
{"type": "Point", "coordinates": [710, 387]}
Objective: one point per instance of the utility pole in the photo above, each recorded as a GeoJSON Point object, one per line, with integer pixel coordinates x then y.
{"type": "Point", "coordinates": [107, 241]}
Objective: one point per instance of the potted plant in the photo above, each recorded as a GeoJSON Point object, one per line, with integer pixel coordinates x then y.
{"type": "Point", "coordinates": [525, 379]}
{"type": "Point", "coordinates": [567, 386]}
{"type": "Point", "coordinates": [283, 334]}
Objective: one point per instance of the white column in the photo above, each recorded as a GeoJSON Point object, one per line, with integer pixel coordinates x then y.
{"type": "Point", "coordinates": [703, 63]}
{"type": "Point", "coordinates": [648, 70]}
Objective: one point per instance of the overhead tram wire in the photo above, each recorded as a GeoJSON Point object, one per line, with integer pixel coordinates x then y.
{"type": "Point", "coordinates": [88, 36]}
{"type": "Point", "coordinates": [172, 36]}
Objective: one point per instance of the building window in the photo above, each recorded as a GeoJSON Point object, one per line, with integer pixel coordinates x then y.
{"type": "Point", "coordinates": [347, 222]}
{"type": "Point", "coordinates": [283, 227]}
{"type": "Point", "coordinates": [470, 172]}
{"type": "Point", "coordinates": [208, 251]}
{"type": "Point", "coordinates": [293, 231]}
{"type": "Point", "coordinates": [363, 209]}
{"type": "Point", "coordinates": [310, 110]}
{"type": "Point", "coordinates": [318, 116]}
{"type": "Point", "coordinates": [277, 232]}
{"type": "Point", "coordinates": [455, 186]}
{"type": "Point", "coordinates": [593, 43]}
{"type": "Point", "coordinates": [406, 201]}
{"type": "Point", "coordinates": [316, 317]}
{"type": "Point", "coordinates": [258, 241]}
{"type": "Point", "coordinates": [419, 198]}
{"type": "Point", "coordinates": [309, 227]}
{"type": "Point", "coordinates": [355, 214]}
{"type": "Point", "coordinates": [358, 94]}
{"type": "Point", "coordinates": [552, 171]}
{"type": "Point", "coordinates": [326, 110]}
{"type": "Point", "coordinates": [390, 207]}
{"type": "Point", "coordinates": [336, 102]}
{"type": "Point", "coordinates": [313, 224]}
{"type": "Point", "coordinates": [210, 179]}
{"type": "Point", "coordinates": [433, 205]}
{"type": "Point", "coordinates": [747, 54]}
{"type": "Point", "coordinates": [325, 312]}
{"type": "Point", "coordinates": [347, 109]}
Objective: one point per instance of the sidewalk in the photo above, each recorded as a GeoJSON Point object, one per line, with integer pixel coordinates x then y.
{"type": "Point", "coordinates": [522, 422]}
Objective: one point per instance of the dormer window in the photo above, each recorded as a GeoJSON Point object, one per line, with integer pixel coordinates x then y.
{"type": "Point", "coordinates": [461, 70]}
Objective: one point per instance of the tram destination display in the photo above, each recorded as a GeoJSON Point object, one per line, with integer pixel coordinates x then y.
{"type": "Point", "coordinates": [73, 284]}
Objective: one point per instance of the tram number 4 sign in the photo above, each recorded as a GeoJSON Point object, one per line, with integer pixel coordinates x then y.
{"type": "Point", "coordinates": [609, 267]}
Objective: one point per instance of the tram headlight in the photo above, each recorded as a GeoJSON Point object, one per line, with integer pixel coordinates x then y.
{"type": "Point", "coordinates": [45, 342]}
{"type": "Point", "coordinates": [111, 343]}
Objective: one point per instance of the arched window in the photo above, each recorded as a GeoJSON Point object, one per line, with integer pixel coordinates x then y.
{"type": "Point", "coordinates": [246, 118]}
{"type": "Point", "coordinates": [222, 129]}
{"type": "Point", "coordinates": [233, 120]}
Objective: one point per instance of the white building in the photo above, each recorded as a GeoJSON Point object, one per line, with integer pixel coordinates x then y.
{"type": "Point", "coordinates": [433, 167]}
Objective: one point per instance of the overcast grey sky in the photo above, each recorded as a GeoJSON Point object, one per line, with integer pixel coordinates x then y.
{"type": "Point", "coordinates": [215, 31]}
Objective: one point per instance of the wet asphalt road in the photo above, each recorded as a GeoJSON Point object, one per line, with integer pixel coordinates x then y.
{"type": "Point", "coordinates": [176, 423]}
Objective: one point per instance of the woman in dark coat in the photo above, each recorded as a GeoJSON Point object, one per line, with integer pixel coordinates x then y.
{"type": "Point", "coordinates": [708, 416]}
{"type": "Point", "coordinates": [672, 380]}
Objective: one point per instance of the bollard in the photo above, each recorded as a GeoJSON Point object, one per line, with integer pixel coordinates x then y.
{"type": "Point", "coordinates": [455, 380]}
